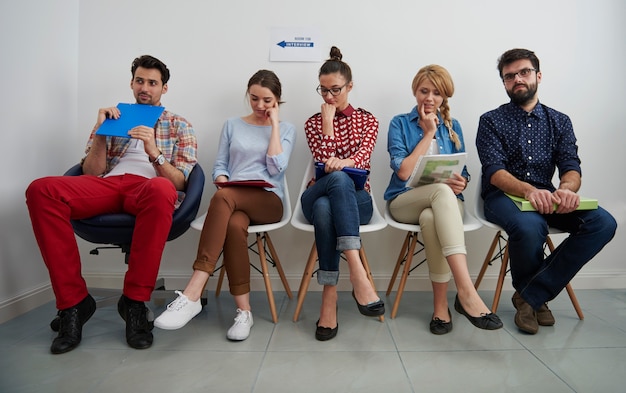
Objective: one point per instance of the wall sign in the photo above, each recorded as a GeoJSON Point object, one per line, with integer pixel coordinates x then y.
{"type": "Point", "coordinates": [295, 44]}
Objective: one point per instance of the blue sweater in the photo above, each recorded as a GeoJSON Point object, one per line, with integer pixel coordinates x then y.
{"type": "Point", "coordinates": [242, 153]}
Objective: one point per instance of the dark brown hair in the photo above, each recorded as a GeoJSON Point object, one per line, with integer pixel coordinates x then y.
{"type": "Point", "coordinates": [335, 64]}
{"type": "Point", "coordinates": [147, 61]}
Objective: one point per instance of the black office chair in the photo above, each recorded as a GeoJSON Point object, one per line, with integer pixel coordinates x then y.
{"type": "Point", "coordinates": [116, 231]}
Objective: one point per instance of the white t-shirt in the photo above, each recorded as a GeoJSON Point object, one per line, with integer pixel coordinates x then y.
{"type": "Point", "coordinates": [135, 161]}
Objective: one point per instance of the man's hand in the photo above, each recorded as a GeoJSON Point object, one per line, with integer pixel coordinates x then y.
{"type": "Point", "coordinates": [107, 113]}
{"type": "Point", "coordinates": [542, 200]}
{"type": "Point", "coordinates": [146, 134]}
{"type": "Point", "coordinates": [568, 201]}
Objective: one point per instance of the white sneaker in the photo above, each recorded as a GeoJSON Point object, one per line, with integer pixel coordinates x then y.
{"type": "Point", "coordinates": [241, 328]}
{"type": "Point", "coordinates": [178, 313]}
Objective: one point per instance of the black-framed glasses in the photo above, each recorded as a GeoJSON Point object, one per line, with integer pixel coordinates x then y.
{"type": "Point", "coordinates": [334, 91]}
{"type": "Point", "coordinates": [522, 73]}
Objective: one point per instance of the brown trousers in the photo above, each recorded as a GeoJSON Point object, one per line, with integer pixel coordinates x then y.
{"type": "Point", "coordinates": [231, 211]}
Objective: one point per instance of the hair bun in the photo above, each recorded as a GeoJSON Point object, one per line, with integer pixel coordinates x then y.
{"type": "Point", "coordinates": [335, 54]}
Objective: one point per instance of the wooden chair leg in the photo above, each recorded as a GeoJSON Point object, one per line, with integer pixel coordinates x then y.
{"type": "Point", "coordinates": [401, 257]}
{"type": "Point", "coordinates": [306, 280]}
{"type": "Point", "coordinates": [574, 300]}
{"type": "Point", "coordinates": [279, 267]}
{"type": "Point", "coordinates": [503, 268]}
{"type": "Point", "coordinates": [220, 281]}
{"type": "Point", "coordinates": [405, 274]}
{"type": "Point", "coordinates": [266, 277]}
{"type": "Point", "coordinates": [488, 259]}
{"type": "Point", "coordinates": [366, 266]}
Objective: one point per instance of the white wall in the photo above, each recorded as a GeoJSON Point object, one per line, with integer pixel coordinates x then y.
{"type": "Point", "coordinates": [212, 48]}
{"type": "Point", "coordinates": [38, 104]}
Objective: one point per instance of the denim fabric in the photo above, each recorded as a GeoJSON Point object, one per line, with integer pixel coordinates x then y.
{"type": "Point", "coordinates": [336, 210]}
{"type": "Point", "coordinates": [539, 279]}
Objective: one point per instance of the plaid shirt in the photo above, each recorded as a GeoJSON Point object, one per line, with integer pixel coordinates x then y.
{"type": "Point", "coordinates": [174, 136]}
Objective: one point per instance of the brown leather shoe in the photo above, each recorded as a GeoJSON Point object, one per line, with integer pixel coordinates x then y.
{"type": "Point", "coordinates": [544, 316]}
{"type": "Point", "coordinates": [525, 317]}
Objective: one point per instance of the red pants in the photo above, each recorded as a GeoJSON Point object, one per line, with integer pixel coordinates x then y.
{"type": "Point", "coordinates": [231, 211]}
{"type": "Point", "coordinates": [53, 201]}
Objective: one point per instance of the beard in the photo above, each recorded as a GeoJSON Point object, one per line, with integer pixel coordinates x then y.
{"type": "Point", "coordinates": [522, 97]}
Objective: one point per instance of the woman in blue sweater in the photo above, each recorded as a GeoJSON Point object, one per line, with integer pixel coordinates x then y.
{"type": "Point", "coordinates": [253, 147]}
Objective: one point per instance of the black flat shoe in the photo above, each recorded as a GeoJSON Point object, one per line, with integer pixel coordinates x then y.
{"type": "Point", "coordinates": [325, 333]}
{"type": "Point", "coordinates": [486, 321]}
{"type": "Point", "coordinates": [70, 325]}
{"type": "Point", "coordinates": [373, 309]}
{"type": "Point", "coordinates": [139, 322]}
{"type": "Point", "coordinates": [437, 326]}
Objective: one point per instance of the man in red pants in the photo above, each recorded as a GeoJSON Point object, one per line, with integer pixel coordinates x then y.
{"type": "Point", "coordinates": [140, 175]}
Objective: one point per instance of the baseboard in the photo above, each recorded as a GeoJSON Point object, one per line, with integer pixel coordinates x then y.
{"type": "Point", "coordinates": [25, 302]}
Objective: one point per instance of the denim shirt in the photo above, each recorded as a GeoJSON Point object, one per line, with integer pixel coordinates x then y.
{"type": "Point", "coordinates": [404, 134]}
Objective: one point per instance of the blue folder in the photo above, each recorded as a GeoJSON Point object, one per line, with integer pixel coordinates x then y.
{"type": "Point", "coordinates": [132, 115]}
{"type": "Point", "coordinates": [359, 176]}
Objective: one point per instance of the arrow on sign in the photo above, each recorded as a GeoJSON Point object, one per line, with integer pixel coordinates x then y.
{"type": "Point", "coordinates": [284, 44]}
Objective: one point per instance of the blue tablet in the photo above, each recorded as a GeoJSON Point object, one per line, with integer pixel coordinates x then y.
{"type": "Point", "coordinates": [132, 115]}
{"type": "Point", "coordinates": [359, 176]}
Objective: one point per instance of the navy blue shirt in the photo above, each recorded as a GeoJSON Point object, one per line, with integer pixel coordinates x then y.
{"type": "Point", "coordinates": [529, 145]}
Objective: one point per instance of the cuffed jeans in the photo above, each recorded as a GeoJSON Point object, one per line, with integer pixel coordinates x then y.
{"type": "Point", "coordinates": [538, 279]}
{"type": "Point", "coordinates": [336, 209]}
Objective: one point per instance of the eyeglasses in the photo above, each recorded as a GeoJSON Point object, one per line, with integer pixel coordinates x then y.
{"type": "Point", "coordinates": [334, 91]}
{"type": "Point", "coordinates": [522, 73]}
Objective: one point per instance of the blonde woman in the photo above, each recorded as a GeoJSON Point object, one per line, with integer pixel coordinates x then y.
{"type": "Point", "coordinates": [438, 208]}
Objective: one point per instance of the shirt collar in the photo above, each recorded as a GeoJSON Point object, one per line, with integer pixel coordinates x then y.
{"type": "Point", "coordinates": [346, 112]}
{"type": "Point", "coordinates": [537, 111]}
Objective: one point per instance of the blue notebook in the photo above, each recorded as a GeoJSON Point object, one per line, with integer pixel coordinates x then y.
{"type": "Point", "coordinates": [132, 115]}
{"type": "Point", "coordinates": [359, 176]}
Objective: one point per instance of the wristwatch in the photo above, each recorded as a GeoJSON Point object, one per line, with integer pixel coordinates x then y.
{"type": "Point", "coordinates": [159, 160]}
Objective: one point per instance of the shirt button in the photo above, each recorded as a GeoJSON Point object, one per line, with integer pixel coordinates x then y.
{"type": "Point", "coordinates": [529, 141]}
{"type": "Point", "coordinates": [528, 174]}
{"type": "Point", "coordinates": [530, 158]}
{"type": "Point", "coordinates": [529, 126]}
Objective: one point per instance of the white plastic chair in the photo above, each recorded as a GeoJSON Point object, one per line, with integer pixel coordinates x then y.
{"type": "Point", "coordinates": [499, 249]}
{"type": "Point", "coordinates": [264, 248]}
{"type": "Point", "coordinates": [300, 222]}
{"type": "Point", "coordinates": [408, 251]}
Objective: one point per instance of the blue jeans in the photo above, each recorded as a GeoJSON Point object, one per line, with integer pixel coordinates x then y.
{"type": "Point", "coordinates": [336, 209]}
{"type": "Point", "coordinates": [536, 278]}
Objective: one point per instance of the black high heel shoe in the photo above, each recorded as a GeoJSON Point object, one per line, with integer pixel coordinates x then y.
{"type": "Point", "coordinates": [485, 321]}
{"type": "Point", "coordinates": [373, 309]}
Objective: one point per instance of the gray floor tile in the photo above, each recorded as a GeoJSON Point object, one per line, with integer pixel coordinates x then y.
{"type": "Point", "coordinates": [305, 372]}
{"type": "Point", "coordinates": [589, 369]}
{"type": "Point", "coordinates": [397, 355]}
{"type": "Point", "coordinates": [481, 371]}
